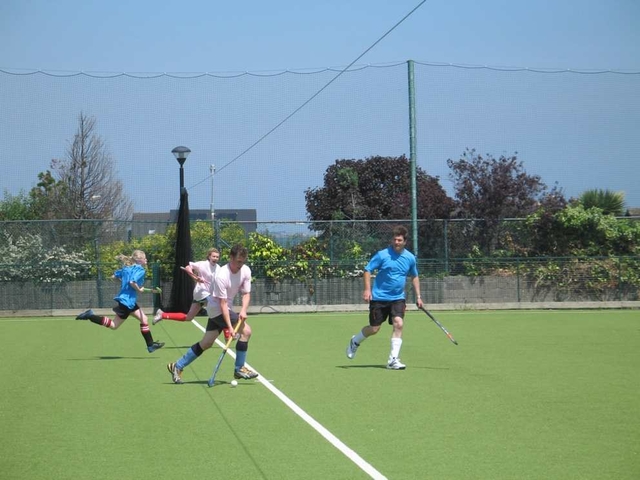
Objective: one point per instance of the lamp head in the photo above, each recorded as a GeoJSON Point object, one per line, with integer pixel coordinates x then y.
{"type": "Point", "coordinates": [181, 154]}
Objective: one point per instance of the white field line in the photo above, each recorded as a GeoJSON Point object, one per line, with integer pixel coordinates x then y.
{"type": "Point", "coordinates": [330, 437]}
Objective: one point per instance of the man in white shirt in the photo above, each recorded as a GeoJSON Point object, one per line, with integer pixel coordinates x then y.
{"type": "Point", "coordinates": [203, 273]}
{"type": "Point", "coordinates": [233, 278]}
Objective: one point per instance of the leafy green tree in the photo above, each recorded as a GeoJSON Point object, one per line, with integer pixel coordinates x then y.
{"type": "Point", "coordinates": [158, 248]}
{"type": "Point", "coordinates": [17, 207]}
{"type": "Point", "coordinates": [38, 203]}
{"type": "Point", "coordinates": [48, 194]}
{"type": "Point", "coordinates": [268, 258]}
{"type": "Point", "coordinates": [231, 233]}
{"type": "Point", "coordinates": [576, 231]}
{"type": "Point", "coordinates": [203, 237]}
{"type": "Point", "coordinates": [611, 203]}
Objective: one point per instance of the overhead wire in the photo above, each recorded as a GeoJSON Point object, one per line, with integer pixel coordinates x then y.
{"type": "Point", "coordinates": [310, 99]}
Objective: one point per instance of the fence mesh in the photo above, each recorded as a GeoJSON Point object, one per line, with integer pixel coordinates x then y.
{"type": "Point", "coordinates": [68, 264]}
{"type": "Point", "coordinates": [260, 141]}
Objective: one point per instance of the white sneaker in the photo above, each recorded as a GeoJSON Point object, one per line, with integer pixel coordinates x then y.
{"type": "Point", "coordinates": [158, 317]}
{"type": "Point", "coordinates": [396, 364]}
{"type": "Point", "coordinates": [352, 348]}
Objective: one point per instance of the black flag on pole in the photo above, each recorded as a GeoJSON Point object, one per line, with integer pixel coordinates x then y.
{"type": "Point", "coordinates": [182, 287]}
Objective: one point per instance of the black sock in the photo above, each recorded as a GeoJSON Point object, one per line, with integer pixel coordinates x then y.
{"type": "Point", "coordinates": [147, 337]}
{"type": "Point", "coordinates": [197, 349]}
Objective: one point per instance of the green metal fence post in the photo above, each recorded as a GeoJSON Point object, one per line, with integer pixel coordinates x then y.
{"type": "Point", "coordinates": [331, 241]}
{"type": "Point", "coordinates": [518, 279]}
{"type": "Point", "coordinates": [412, 157]}
{"type": "Point", "coordinates": [445, 239]}
{"type": "Point", "coordinates": [314, 295]}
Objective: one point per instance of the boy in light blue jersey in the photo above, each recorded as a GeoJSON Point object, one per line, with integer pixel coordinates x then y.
{"type": "Point", "coordinates": [387, 298]}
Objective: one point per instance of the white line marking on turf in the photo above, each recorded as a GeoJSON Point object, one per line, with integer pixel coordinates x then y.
{"type": "Point", "coordinates": [333, 440]}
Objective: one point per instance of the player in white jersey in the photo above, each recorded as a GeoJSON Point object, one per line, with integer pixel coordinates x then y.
{"type": "Point", "coordinates": [203, 273]}
{"type": "Point", "coordinates": [231, 279]}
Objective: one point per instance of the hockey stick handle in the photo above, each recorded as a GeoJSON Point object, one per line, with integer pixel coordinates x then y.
{"type": "Point", "coordinates": [236, 329]}
{"type": "Point", "coordinates": [453, 340]}
{"type": "Point", "coordinates": [194, 277]}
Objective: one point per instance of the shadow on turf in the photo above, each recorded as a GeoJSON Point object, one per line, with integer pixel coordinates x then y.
{"type": "Point", "coordinates": [219, 383]}
{"type": "Point", "coordinates": [113, 358]}
{"type": "Point", "coordinates": [384, 367]}
{"type": "Point", "coordinates": [361, 366]}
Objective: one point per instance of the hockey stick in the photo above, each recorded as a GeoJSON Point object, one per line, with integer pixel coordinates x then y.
{"type": "Point", "coordinates": [194, 277]}
{"type": "Point", "coordinates": [440, 325]}
{"type": "Point", "coordinates": [212, 380]}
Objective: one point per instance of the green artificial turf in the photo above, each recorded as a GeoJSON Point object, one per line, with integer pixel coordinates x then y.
{"type": "Point", "coordinates": [526, 395]}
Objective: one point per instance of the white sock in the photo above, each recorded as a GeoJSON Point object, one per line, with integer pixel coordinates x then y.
{"type": "Point", "coordinates": [396, 344]}
{"type": "Point", "coordinates": [359, 337]}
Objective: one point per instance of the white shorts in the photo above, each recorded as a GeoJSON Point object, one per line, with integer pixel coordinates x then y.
{"type": "Point", "coordinates": [200, 297]}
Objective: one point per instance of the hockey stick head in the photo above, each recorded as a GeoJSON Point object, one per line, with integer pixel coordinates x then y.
{"type": "Point", "coordinates": [212, 380]}
{"type": "Point", "coordinates": [449, 336]}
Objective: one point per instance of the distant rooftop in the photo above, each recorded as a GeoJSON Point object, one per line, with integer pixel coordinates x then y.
{"type": "Point", "coordinates": [633, 212]}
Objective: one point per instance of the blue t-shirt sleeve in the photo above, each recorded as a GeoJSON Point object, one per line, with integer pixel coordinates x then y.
{"type": "Point", "coordinates": [374, 263]}
{"type": "Point", "coordinates": [413, 270]}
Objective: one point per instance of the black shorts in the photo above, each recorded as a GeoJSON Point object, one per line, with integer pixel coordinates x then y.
{"type": "Point", "coordinates": [123, 311]}
{"type": "Point", "coordinates": [218, 323]}
{"type": "Point", "coordinates": [381, 311]}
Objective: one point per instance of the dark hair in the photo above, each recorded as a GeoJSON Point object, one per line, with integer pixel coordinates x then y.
{"type": "Point", "coordinates": [400, 231]}
{"type": "Point", "coordinates": [238, 251]}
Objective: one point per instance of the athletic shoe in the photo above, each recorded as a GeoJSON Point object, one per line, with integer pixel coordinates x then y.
{"type": "Point", "coordinates": [352, 348]}
{"type": "Point", "coordinates": [176, 373]}
{"type": "Point", "coordinates": [396, 364]}
{"type": "Point", "coordinates": [86, 315]}
{"type": "Point", "coordinates": [158, 317]}
{"type": "Point", "coordinates": [155, 346]}
{"type": "Point", "coordinates": [227, 333]}
{"type": "Point", "coordinates": [245, 373]}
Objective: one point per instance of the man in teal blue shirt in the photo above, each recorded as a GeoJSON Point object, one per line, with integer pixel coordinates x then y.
{"type": "Point", "coordinates": [387, 298]}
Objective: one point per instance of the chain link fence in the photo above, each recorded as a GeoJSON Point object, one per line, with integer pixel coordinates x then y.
{"type": "Point", "coordinates": [62, 265]}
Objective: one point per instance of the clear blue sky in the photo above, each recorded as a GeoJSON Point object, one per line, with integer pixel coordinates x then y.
{"type": "Point", "coordinates": [221, 37]}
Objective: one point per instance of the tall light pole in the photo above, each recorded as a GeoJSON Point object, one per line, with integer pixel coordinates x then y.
{"type": "Point", "coordinates": [181, 290]}
{"type": "Point", "coordinates": [181, 154]}
{"type": "Point", "coordinates": [212, 169]}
